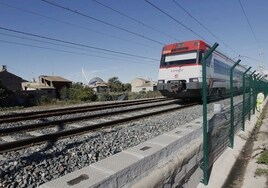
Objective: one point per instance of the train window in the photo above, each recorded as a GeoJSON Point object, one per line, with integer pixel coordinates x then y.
{"type": "Point", "coordinates": [179, 59]}
{"type": "Point", "coordinates": [221, 68]}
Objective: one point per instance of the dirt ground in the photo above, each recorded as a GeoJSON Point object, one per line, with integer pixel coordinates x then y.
{"type": "Point", "coordinates": [250, 179]}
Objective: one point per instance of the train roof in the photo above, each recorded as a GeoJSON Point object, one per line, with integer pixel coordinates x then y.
{"type": "Point", "coordinates": [193, 45]}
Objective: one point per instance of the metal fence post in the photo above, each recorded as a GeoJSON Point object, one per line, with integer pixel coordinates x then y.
{"type": "Point", "coordinates": [204, 98]}
{"type": "Point", "coordinates": [258, 85]}
{"type": "Point", "coordinates": [244, 97]}
{"type": "Point", "coordinates": [249, 98]}
{"type": "Point", "coordinates": [254, 91]}
{"type": "Point", "coordinates": [232, 104]}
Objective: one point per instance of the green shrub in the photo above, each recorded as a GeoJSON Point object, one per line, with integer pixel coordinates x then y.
{"type": "Point", "coordinates": [261, 172]}
{"type": "Point", "coordinates": [45, 99]}
{"type": "Point", "coordinates": [104, 97]}
{"type": "Point", "coordinates": [143, 94]}
{"type": "Point", "coordinates": [78, 92]}
{"type": "Point", "coordinates": [263, 159]}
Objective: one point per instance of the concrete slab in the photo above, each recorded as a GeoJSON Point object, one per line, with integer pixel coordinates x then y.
{"type": "Point", "coordinates": [35, 133]}
{"type": "Point", "coordinates": [178, 132]}
{"type": "Point", "coordinates": [144, 149]}
{"type": "Point", "coordinates": [83, 178]}
{"type": "Point", "coordinates": [176, 143]}
{"type": "Point", "coordinates": [198, 121]}
{"type": "Point", "coordinates": [124, 166]}
{"type": "Point", "coordinates": [8, 138]}
{"type": "Point", "coordinates": [150, 154]}
{"type": "Point", "coordinates": [76, 125]}
{"type": "Point", "coordinates": [116, 162]}
{"type": "Point", "coordinates": [163, 140]}
{"type": "Point", "coordinates": [191, 126]}
{"type": "Point", "coordinates": [103, 120]}
{"type": "Point", "coordinates": [90, 122]}
{"type": "Point", "coordinates": [53, 129]}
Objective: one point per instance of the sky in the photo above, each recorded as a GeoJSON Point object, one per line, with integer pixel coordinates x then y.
{"type": "Point", "coordinates": [83, 39]}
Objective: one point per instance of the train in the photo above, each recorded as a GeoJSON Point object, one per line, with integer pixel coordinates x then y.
{"type": "Point", "coordinates": [180, 72]}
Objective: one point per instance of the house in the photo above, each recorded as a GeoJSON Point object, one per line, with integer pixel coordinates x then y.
{"type": "Point", "coordinates": [39, 89]}
{"type": "Point", "coordinates": [9, 80]}
{"type": "Point", "coordinates": [98, 85]}
{"type": "Point", "coordinates": [140, 84]}
{"type": "Point", "coordinates": [56, 82]}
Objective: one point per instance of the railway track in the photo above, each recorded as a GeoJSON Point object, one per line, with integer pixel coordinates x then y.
{"type": "Point", "coordinates": [13, 117]}
{"type": "Point", "coordinates": [66, 127]}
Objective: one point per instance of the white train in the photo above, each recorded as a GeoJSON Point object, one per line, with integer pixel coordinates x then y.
{"type": "Point", "coordinates": [180, 73]}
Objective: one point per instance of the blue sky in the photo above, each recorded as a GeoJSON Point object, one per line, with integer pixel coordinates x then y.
{"type": "Point", "coordinates": [31, 58]}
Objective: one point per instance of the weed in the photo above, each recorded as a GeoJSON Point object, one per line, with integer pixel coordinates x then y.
{"type": "Point", "coordinates": [263, 159]}
{"type": "Point", "coordinates": [261, 172]}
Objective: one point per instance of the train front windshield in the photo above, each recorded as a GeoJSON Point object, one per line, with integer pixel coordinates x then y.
{"type": "Point", "coordinates": [179, 59]}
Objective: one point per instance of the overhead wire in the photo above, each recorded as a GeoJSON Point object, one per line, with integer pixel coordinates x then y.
{"type": "Point", "coordinates": [74, 25]}
{"type": "Point", "coordinates": [134, 19]}
{"type": "Point", "coordinates": [103, 22]}
{"type": "Point", "coordinates": [180, 23]}
{"type": "Point", "coordinates": [70, 52]}
{"type": "Point", "coordinates": [74, 43]}
{"type": "Point", "coordinates": [203, 26]}
{"type": "Point", "coordinates": [46, 42]}
{"type": "Point", "coordinates": [253, 33]}
{"type": "Point", "coordinates": [174, 19]}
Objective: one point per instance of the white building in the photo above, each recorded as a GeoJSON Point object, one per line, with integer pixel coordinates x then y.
{"type": "Point", "coordinates": [98, 85]}
{"type": "Point", "coordinates": [140, 84]}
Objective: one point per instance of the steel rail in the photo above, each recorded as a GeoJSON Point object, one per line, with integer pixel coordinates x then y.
{"type": "Point", "coordinates": [35, 126]}
{"type": "Point", "coordinates": [70, 110]}
{"type": "Point", "coordinates": [53, 137]}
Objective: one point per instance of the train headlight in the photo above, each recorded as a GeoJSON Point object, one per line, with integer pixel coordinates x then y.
{"type": "Point", "coordinates": [193, 80]}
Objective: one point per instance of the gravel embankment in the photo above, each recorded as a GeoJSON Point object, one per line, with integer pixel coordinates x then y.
{"type": "Point", "coordinates": [34, 166]}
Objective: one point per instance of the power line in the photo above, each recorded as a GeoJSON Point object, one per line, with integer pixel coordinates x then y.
{"type": "Point", "coordinates": [66, 51]}
{"type": "Point", "coordinates": [103, 22]}
{"type": "Point", "coordinates": [202, 25]}
{"type": "Point", "coordinates": [73, 25]}
{"type": "Point", "coordinates": [73, 43]}
{"type": "Point", "coordinates": [36, 40]}
{"type": "Point", "coordinates": [41, 47]}
{"type": "Point", "coordinates": [249, 24]}
{"type": "Point", "coordinates": [135, 20]}
{"type": "Point", "coordinates": [177, 21]}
